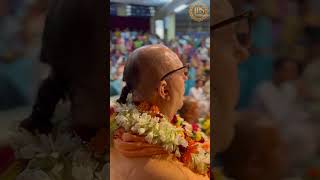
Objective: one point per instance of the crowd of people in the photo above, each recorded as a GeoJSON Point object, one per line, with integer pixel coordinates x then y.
{"type": "Point", "coordinates": [190, 49]}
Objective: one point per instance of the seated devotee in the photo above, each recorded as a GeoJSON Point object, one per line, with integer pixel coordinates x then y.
{"type": "Point", "coordinates": [256, 152]}
{"type": "Point", "coordinates": [149, 140]}
{"type": "Point", "coordinates": [278, 99]}
{"type": "Point", "coordinates": [197, 91]}
{"type": "Point", "coordinates": [190, 111]}
{"type": "Point", "coordinates": [203, 52]}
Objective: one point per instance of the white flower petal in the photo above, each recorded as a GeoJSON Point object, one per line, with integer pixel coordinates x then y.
{"type": "Point", "coordinates": [141, 131]}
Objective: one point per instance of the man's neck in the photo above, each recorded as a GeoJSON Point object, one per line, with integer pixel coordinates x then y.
{"type": "Point", "coordinates": [163, 106]}
{"type": "Point", "coordinates": [166, 110]}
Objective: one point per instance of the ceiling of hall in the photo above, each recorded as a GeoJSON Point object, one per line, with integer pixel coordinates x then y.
{"type": "Point", "coordinates": [143, 2]}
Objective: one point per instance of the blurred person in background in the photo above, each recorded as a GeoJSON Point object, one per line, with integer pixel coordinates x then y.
{"type": "Point", "coordinates": [126, 34]}
{"type": "Point", "coordinates": [203, 51]}
{"type": "Point", "coordinates": [278, 99]}
{"type": "Point", "coordinates": [257, 151]}
{"type": "Point", "coordinates": [190, 111]}
{"type": "Point", "coordinates": [120, 43]}
{"type": "Point", "coordinates": [197, 91]}
{"type": "Point", "coordinates": [192, 72]}
{"type": "Point", "coordinates": [277, 96]}
{"type": "Point", "coordinates": [117, 57]}
{"type": "Point", "coordinates": [129, 45]}
{"type": "Point", "coordinates": [117, 33]}
{"type": "Point", "coordinates": [187, 48]}
{"type": "Point", "coordinates": [137, 42]}
{"type": "Point", "coordinates": [199, 95]}
{"type": "Point", "coordinates": [116, 83]}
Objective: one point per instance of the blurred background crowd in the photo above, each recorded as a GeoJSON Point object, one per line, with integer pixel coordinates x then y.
{"type": "Point", "coordinates": [167, 23]}
{"type": "Point", "coordinates": [277, 132]}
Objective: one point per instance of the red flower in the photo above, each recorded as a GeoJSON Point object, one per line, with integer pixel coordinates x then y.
{"type": "Point", "coordinates": [195, 127]}
{"type": "Point", "coordinates": [112, 111]}
{"type": "Point", "coordinates": [174, 120]}
{"type": "Point", "coordinates": [202, 140]}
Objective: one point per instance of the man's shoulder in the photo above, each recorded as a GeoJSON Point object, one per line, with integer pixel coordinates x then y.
{"type": "Point", "coordinates": [164, 168]}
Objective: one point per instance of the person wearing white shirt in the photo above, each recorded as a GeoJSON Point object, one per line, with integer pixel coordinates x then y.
{"type": "Point", "coordinates": [197, 91]}
{"type": "Point", "coordinates": [278, 99]}
{"type": "Point", "coordinates": [198, 94]}
{"type": "Point", "coordinates": [203, 52]}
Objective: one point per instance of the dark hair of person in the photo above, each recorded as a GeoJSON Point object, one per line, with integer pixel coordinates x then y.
{"type": "Point", "coordinates": [124, 94]}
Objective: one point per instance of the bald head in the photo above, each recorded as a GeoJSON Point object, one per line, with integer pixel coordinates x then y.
{"type": "Point", "coordinates": [146, 66]}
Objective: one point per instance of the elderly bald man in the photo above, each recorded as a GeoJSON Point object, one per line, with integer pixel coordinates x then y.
{"type": "Point", "coordinates": [154, 74]}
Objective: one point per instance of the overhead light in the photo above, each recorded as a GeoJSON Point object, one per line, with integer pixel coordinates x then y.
{"type": "Point", "coordinates": [180, 8]}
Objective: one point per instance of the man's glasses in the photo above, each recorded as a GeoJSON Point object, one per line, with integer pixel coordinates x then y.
{"type": "Point", "coordinates": [243, 28]}
{"type": "Point", "coordinates": [176, 70]}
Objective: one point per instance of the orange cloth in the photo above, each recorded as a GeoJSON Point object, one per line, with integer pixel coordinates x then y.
{"type": "Point", "coordinates": [132, 158]}
{"type": "Point", "coordinates": [135, 146]}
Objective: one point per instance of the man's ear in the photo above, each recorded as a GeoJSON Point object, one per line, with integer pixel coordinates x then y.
{"type": "Point", "coordinates": [163, 90]}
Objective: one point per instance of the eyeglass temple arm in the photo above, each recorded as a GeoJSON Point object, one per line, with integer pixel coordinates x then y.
{"type": "Point", "coordinates": [247, 14]}
{"type": "Point", "coordinates": [166, 75]}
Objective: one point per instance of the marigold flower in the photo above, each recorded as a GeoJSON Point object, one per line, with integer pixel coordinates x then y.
{"type": "Point", "coordinates": [143, 107]}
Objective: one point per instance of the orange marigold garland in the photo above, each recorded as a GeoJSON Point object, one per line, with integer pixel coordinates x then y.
{"type": "Point", "coordinates": [196, 147]}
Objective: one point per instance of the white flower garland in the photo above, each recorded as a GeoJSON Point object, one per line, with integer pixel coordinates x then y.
{"type": "Point", "coordinates": [156, 130]}
{"type": "Point", "coordinates": [160, 131]}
